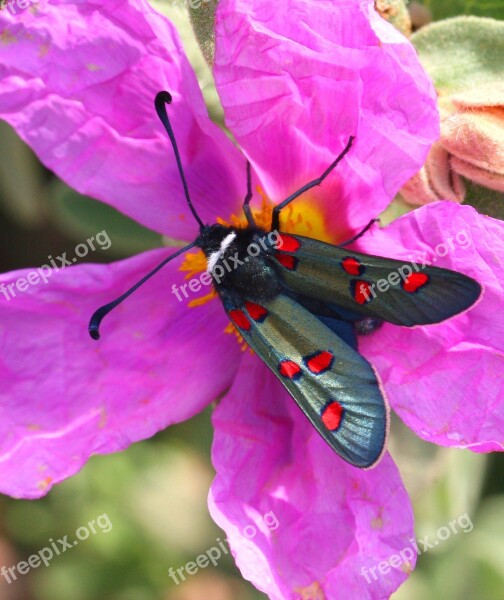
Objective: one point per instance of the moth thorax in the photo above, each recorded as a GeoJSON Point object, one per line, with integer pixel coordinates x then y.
{"type": "Point", "coordinates": [220, 253]}
{"type": "Point", "coordinates": [239, 261]}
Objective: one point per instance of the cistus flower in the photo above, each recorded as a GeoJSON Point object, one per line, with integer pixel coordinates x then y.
{"type": "Point", "coordinates": [77, 81]}
{"type": "Point", "coordinates": [473, 133]}
{"type": "Point", "coordinates": [471, 146]}
{"type": "Point", "coordinates": [462, 55]}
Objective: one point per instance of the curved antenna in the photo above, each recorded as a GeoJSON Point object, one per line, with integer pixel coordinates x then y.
{"type": "Point", "coordinates": [98, 315]}
{"type": "Point", "coordinates": [162, 99]}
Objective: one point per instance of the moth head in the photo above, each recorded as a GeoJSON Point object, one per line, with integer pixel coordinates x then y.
{"type": "Point", "coordinates": [211, 237]}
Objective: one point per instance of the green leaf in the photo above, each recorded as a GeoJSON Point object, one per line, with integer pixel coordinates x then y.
{"type": "Point", "coordinates": [202, 15]}
{"type": "Point", "coordinates": [21, 180]}
{"type": "Point", "coordinates": [461, 52]}
{"type": "Point", "coordinates": [443, 9]}
{"type": "Point", "coordinates": [397, 208]}
{"type": "Point", "coordinates": [485, 201]}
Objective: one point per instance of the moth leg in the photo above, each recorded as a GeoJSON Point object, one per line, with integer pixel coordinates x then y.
{"type": "Point", "coordinates": [275, 221]}
{"type": "Point", "coordinates": [248, 198]}
{"type": "Point", "coordinates": [367, 325]}
{"type": "Point", "coordinates": [360, 234]}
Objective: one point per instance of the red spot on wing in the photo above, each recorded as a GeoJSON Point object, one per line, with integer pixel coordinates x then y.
{"type": "Point", "coordinates": [239, 319]}
{"type": "Point", "coordinates": [352, 266]}
{"type": "Point", "coordinates": [332, 415]}
{"type": "Point", "coordinates": [415, 281]}
{"type": "Point", "coordinates": [287, 261]}
{"type": "Point", "coordinates": [320, 362]}
{"type": "Point", "coordinates": [287, 243]}
{"type": "Point", "coordinates": [289, 369]}
{"type": "Point", "coordinates": [257, 312]}
{"type": "Point", "coordinates": [361, 291]}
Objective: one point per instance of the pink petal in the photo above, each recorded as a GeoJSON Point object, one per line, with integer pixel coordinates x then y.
{"type": "Point", "coordinates": [297, 78]}
{"type": "Point", "coordinates": [78, 81]}
{"type": "Point", "coordinates": [65, 397]}
{"type": "Point", "coordinates": [446, 381]}
{"type": "Point", "coordinates": [297, 516]}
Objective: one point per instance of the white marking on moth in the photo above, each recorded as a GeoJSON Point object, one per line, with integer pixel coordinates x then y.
{"type": "Point", "coordinates": [215, 256]}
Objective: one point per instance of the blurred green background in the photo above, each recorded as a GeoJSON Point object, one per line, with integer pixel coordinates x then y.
{"type": "Point", "coordinates": [154, 493]}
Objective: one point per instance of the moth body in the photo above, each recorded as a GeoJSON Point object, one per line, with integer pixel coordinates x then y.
{"type": "Point", "coordinates": [241, 261]}
{"type": "Point", "coordinates": [300, 304]}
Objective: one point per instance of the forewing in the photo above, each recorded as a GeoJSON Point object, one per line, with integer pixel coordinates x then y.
{"type": "Point", "coordinates": [395, 291]}
{"type": "Point", "coordinates": [334, 386]}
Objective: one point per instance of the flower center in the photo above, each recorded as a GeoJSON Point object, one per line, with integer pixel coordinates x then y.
{"type": "Point", "coordinates": [301, 217]}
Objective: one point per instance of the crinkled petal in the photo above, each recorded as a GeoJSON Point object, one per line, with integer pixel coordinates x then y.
{"type": "Point", "coordinates": [65, 396]}
{"type": "Point", "coordinates": [78, 81]}
{"type": "Point", "coordinates": [296, 79]}
{"type": "Point", "coordinates": [446, 381]}
{"type": "Point", "coordinates": [301, 522]}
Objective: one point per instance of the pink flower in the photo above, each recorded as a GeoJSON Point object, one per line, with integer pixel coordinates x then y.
{"type": "Point", "coordinates": [445, 381]}
{"type": "Point", "coordinates": [77, 81]}
{"type": "Point", "coordinates": [453, 371]}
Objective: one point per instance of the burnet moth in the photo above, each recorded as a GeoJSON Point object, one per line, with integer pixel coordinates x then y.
{"type": "Point", "coordinates": [300, 303]}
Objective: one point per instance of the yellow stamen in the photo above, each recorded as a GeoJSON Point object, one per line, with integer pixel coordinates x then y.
{"type": "Point", "coordinates": [194, 264]}
{"type": "Point", "coordinates": [202, 300]}
{"type": "Point", "coordinates": [230, 328]}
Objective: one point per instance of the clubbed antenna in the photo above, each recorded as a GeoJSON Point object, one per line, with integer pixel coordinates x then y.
{"type": "Point", "coordinates": [162, 99]}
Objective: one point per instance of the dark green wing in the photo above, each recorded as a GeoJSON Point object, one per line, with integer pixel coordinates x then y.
{"type": "Point", "coordinates": [334, 386]}
{"type": "Point", "coordinates": [395, 291]}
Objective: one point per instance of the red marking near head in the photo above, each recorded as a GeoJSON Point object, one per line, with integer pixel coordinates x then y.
{"type": "Point", "coordinates": [320, 362]}
{"type": "Point", "coordinates": [257, 312]}
{"type": "Point", "coordinates": [362, 291]}
{"type": "Point", "coordinates": [287, 243]}
{"type": "Point", "coordinates": [289, 369]}
{"type": "Point", "coordinates": [414, 282]}
{"type": "Point", "coordinates": [239, 319]}
{"type": "Point", "coordinates": [287, 261]}
{"type": "Point", "coordinates": [352, 266]}
{"type": "Point", "coordinates": [332, 415]}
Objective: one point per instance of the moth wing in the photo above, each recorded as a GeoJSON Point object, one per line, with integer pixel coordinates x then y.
{"type": "Point", "coordinates": [389, 289]}
{"type": "Point", "coordinates": [334, 386]}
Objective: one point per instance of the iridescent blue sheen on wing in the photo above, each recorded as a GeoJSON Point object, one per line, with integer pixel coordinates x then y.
{"type": "Point", "coordinates": [334, 386]}
{"type": "Point", "coordinates": [402, 293]}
